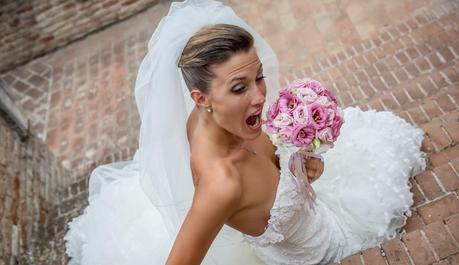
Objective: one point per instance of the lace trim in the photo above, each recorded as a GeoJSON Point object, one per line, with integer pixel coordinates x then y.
{"type": "Point", "coordinates": [287, 202]}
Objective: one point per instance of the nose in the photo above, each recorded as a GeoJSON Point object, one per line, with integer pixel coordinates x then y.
{"type": "Point", "coordinates": [260, 97]}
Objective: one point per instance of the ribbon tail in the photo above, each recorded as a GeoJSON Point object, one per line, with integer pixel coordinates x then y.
{"type": "Point", "coordinates": [297, 169]}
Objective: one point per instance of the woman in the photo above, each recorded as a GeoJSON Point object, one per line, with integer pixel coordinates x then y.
{"type": "Point", "coordinates": [240, 178]}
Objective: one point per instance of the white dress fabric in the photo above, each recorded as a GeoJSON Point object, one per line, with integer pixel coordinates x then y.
{"type": "Point", "coordinates": [363, 198]}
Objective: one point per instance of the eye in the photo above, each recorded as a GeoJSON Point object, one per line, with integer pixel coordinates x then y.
{"type": "Point", "coordinates": [238, 89]}
{"type": "Point", "coordinates": [260, 78]}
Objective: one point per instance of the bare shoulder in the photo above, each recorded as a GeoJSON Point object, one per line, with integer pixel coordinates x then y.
{"type": "Point", "coordinates": [219, 182]}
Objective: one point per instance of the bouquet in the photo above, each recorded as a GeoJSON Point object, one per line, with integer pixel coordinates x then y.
{"type": "Point", "coordinates": [307, 116]}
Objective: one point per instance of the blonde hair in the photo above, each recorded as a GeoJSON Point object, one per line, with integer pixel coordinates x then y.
{"type": "Point", "coordinates": [211, 45]}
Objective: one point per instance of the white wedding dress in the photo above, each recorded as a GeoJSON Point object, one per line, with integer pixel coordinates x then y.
{"type": "Point", "coordinates": [363, 197]}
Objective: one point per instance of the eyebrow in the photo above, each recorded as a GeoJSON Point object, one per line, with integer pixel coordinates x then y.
{"type": "Point", "coordinates": [243, 78]}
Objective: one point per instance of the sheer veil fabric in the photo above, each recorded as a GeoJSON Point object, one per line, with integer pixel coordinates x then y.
{"type": "Point", "coordinates": [162, 162]}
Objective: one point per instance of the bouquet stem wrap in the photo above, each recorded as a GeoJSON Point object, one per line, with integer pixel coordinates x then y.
{"type": "Point", "coordinates": [297, 167]}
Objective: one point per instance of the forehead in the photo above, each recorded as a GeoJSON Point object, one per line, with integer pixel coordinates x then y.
{"type": "Point", "coordinates": [238, 64]}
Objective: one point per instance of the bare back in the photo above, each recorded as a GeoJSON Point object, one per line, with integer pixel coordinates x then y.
{"type": "Point", "coordinates": [259, 176]}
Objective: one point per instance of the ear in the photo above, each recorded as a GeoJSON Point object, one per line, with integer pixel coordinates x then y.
{"type": "Point", "coordinates": [202, 100]}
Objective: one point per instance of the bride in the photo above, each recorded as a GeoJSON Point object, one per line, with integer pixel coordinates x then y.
{"type": "Point", "coordinates": [207, 185]}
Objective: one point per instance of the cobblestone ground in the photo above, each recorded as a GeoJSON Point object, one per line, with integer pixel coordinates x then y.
{"type": "Point", "coordinates": [386, 55]}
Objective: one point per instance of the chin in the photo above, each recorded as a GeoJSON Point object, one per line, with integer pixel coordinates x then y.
{"type": "Point", "coordinates": [252, 135]}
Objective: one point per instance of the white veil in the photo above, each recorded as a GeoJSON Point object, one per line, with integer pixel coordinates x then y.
{"type": "Point", "coordinates": [164, 105]}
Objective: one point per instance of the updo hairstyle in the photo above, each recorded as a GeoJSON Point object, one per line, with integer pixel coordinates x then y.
{"type": "Point", "coordinates": [211, 45]}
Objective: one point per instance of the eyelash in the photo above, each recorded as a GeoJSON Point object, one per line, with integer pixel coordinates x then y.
{"type": "Point", "coordinates": [243, 88]}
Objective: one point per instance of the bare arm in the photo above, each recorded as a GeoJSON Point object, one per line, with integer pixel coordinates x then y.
{"type": "Point", "coordinates": [216, 199]}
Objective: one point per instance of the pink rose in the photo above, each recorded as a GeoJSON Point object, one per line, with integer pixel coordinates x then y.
{"type": "Point", "coordinates": [273, 111]}
{"type": "Point", "coordinates": [325, 135]}
{"type": "Point", "coordinates": [298, 83]}
{"type": "Point", "coordinates": [316, 86]}
{"type": "Point", "coordinates": [319, 115]}
{"type": "Point", "coordinates": [282, 120]}
{"type": "Point", "coordinates": [285, 133]}
{"type": "Point", "coordinates": [331, 114]}
{"type": "Point", "coordinates": [330, 96]}
{"type": "Point", "coordinates": [323, 100]}
{"type": "Point", "coordinates": [287, 102]}
{"type": "Point", "coordinates": [301, 114]}
{"type": "Point", "coordinates": [302, 135]}
{"type": "Point", "coordinates": [336, 126]}
{"type": "Point", "coordinates": [306, 95]}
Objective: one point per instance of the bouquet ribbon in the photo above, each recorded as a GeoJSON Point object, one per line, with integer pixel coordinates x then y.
{"type": "Point", "coordinates": [298, 170]}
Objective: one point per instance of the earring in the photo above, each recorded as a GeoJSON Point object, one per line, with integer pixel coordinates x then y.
{"type": "Point", "coordinates": [209, 110]}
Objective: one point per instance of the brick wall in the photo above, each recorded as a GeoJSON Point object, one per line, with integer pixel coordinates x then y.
{"type": "Point", "coordinates": [31, 181]}
{"type": "Point", "coordinates": [32, 28]}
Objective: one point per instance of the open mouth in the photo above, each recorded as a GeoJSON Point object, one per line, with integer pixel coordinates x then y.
{"type": "Point", "coordinates": [254, 121]}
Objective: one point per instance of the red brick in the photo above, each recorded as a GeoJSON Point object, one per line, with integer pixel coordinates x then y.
{"type": "Point", "coordinates": [352, 260]}
{"type": "Point", "coordinates": [414, 91]}
{"type": "Point", "coordinates": [351, 80]}
{"type": "Point", "coordinates": [428, 185]}
{"type": "Point", "coordinates": [445, 102]}
{"type": "Point", "coordinates": [452, 128]}
{"type": "Point", "coordinates": [452, 74]}
{"type": "Point", "coordinates": [389, 102]}
{"type": "Point", "coordinates": [373, 256]}
{"type": "Point", "coordinates": [423, 64]}
{"type": "Point", "coordinates": [371, 71]}
{"type": "Point", "coordinates": [412, 24]}
{"type": "Point", "coordinates": [443, 262]}
{"type": "Point", "coordinates": [439, 80]}
{"type": "Point", "coordinates": [427, 145]}
{"type": "Point", "coordinates": [413, 223]}
{"type": "Point", "coordinates": [351, 66]}
{"type": "Point", "coordinates": [412, 69]}
{"type": "Point", "coordinates": [361, 76]}
{"type": "Point", "coordinates": [412, 53]}
{"type": "Point", "coordinates": [431, 109]}
{"type": "Point", "coordinates": [439, 209]}
{"type": "Point", "coordinates": [454, 259]}
{"type": "Point", "coordinates": [453, 225]}
{"type": "Point", "coordinates": [401, 74]}
{"type": "Point", "coordinates": [447, 177]}
{"type": "Point", "coordinates": [418, 198]}
{"type": "Point", "coordinates": [367, 90]}
{"type": "Point", "coordinates": [376, 105]}
{"type": "Point", "coordinates": [436, 134]}
{"type": "Point", "coordinates": [401, 57]}
{"type": "Point", "coordinates": [377, 83]}
{"type": "Point", "coordinates": [427, 85]}
{"type": "Point", "coordinates": [441, 241]}
{"type": "Point", "coordinates": [360, 61]}
{"type": "Point", "coordinates": [444, 156]}
{"type": "Point", "coordinates": [382, 68]}
{"type": "Point", "coordinates": [370, 58]}
{"type": "Point", "coordinates": [418, 248]}
{"type": "Point", "coordinates": [402, 28]}
{"type": "Point", "coordinates": [401, 96]}
{"type": "Point", "coordinates": [341, 56]}
{"type": "Point", "coordinates": [389, 79]}
{"type": "Point", "coordinates": [395, 252]}
{"type": "Point", "coordinates": [418, 116]}
{"type": "Point", "coordinates": [446, 54]}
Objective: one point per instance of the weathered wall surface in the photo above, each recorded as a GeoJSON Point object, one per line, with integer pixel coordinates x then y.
{"type": "Point", "coordinates": [31, 28]}
{"type": "Point", "coordinates": [31, 217]}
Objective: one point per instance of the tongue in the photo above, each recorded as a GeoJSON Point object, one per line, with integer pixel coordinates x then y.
{"type": "Point", "coordinates": [251, 120]}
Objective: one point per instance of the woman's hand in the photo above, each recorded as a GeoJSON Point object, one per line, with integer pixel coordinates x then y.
{"type": "Point", "coordinates": [314, 167]}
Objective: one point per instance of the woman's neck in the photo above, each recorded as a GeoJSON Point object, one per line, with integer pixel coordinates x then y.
{"type": "Point", "coordinates": [224, 141]}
